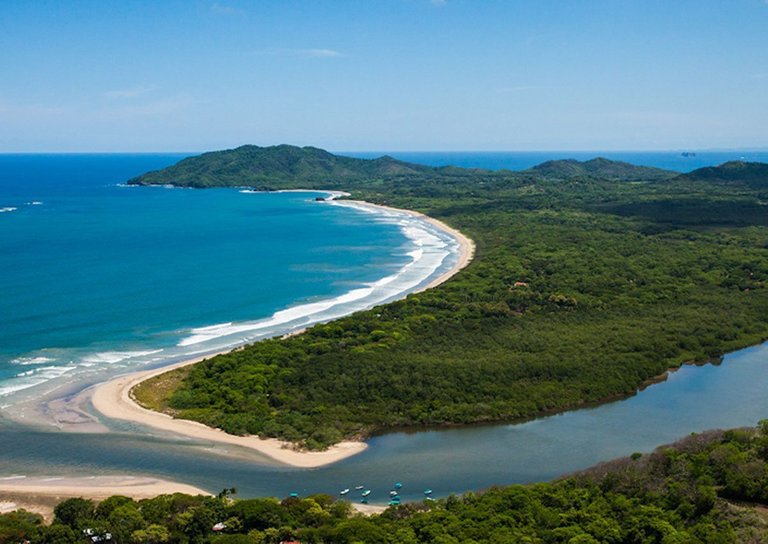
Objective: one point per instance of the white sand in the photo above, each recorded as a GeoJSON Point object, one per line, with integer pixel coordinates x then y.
{"type": "Point", "coordinates": [95, 487]}
{"type": "Point", "coordinates": [114, 399]}
{"type": "Point", "coordinates": [42, 494]}
{"type": "Point", "coordinates": [368, 509]}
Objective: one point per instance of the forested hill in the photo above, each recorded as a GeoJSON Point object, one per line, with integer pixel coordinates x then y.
{"type": "Point", "coordinates": [272, 167]}
{"type": "Point", "coordinates": [752, 174]}
{"type": "Point", "coordinates": [286, 166]}
{"type": "Point", "coordinates": [600, 168]}
{"type": "Point", "coordinates": [581, 289]}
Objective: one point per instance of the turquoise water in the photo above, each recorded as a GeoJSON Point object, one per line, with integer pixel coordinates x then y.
{"type": "Point", "coordinates": [99, 279]}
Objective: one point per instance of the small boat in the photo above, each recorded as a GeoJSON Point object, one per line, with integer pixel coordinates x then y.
{"type": "Point", "coordinates": [359, 487]}
{"type": "Point", "coordinates": [344, 491]}
{"type": "Point", "coordinates": [394, 502]}
{"type": "Point", "coordinates": [431, 499]}
{"type": "Point", "coordinates": [398, 485]}
{"type": "Point", "coordinates": [294, 495]}
{"type": "Point", "coordinates": [392, 493]}
{"type": "Point", "coordinates": [366, 492]}
{"type": "Point", "coordinates": [363, 501]}
{"type": "Point", "coordinates": [427, 491]}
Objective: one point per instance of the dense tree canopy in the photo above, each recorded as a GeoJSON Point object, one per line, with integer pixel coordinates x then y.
{"type": "Point", "coordinates": [582, 288]}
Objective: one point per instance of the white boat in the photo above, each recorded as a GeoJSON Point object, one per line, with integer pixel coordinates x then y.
{"type": "Point", "coordinates": [344, 491]}
{"type": "Point", "coordinates": [366, 492]}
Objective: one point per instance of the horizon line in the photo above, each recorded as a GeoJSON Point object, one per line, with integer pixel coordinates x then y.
{"type": "Point", "coordinates": [387, 151]}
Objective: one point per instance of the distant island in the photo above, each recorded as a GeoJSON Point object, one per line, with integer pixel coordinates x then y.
{"type": "Point", "coordinates": [590, 279]}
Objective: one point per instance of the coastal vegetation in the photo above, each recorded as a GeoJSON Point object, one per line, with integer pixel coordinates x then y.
{"type": "Point", "coordinates": [589, 279]}
{"type": "Point", "coordinates": [708, 488]}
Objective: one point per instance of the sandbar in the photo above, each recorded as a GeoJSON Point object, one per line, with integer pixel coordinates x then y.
{"type": "Point", "coordinates": [42, 494]}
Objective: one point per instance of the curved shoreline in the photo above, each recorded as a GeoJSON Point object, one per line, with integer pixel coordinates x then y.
{"type": "Point", "coordinates": [113, 398]}
{"type": "Point", "coordinates": [41, 494]}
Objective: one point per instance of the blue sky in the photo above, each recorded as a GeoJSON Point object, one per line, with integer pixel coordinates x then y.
{"type": "Point", "coordinates": [383, 74]}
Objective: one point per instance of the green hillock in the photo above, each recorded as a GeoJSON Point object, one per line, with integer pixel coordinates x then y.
{"type": "Point", "coordinates": [273, 167]}
{"type": "Point", "coordinates": [600, 168]}
{"type": "Point", "coordinates": [751, 174]}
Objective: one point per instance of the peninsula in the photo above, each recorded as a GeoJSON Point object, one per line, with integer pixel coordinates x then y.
{"type": "Point", "coordinates": [589, 279]}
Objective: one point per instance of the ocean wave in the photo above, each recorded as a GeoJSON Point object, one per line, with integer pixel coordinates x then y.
{"type": "Point", "coordinates": [8, 209]}
{"type": "Point", "coordinates": [112, 357]}
{"type": "Point", "coordinates": [73, 365]}
{"type": "Point", "coordinates": [35, 203]}
{"type": "Point", "coordinates": [37, 377]}
{"type": "Point", "coordinates": [24, 361]}
{"type": "Point", "coordinates": [428, 252]}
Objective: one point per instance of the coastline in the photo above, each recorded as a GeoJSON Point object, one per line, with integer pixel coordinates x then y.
{"type": "Point", "coordinates": [466, 244]}
{"type": "Point", "coordinates": [42, 494]}
{"type": "Point", "coordinates": [114, 399]}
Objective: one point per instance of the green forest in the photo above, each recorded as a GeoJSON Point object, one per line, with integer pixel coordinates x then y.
{"type": "Point", "coordinates": [709, 488]}
{"type": "Point", "coordinates": [589, 279]}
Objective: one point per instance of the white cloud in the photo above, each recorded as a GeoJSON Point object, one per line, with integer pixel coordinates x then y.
{"type": "Point", "coordinates": [222, 9]}
{"type": "Point", "coordinates": [131, 92]}
{"type": "Point", "coordinates": [321, 53]}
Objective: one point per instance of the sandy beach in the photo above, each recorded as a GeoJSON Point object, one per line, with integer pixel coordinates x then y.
{"type": "Point", "coordinates": [41, 494]}
{"type": "Point", "coordinates": [466, 245]}
{"type": "Point", "coordinates": [114, 400]}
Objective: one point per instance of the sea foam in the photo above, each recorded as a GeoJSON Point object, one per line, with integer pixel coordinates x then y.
{"type": "Point", "coordinates": [25, 361]}
{"type": "Point", "coordinates": [430, 251]}
{"type": "Point", "coordinates": [111, 357]}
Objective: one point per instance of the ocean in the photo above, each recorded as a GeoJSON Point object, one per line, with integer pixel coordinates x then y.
{"type": "Point", "coordinates": [98, 279]}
